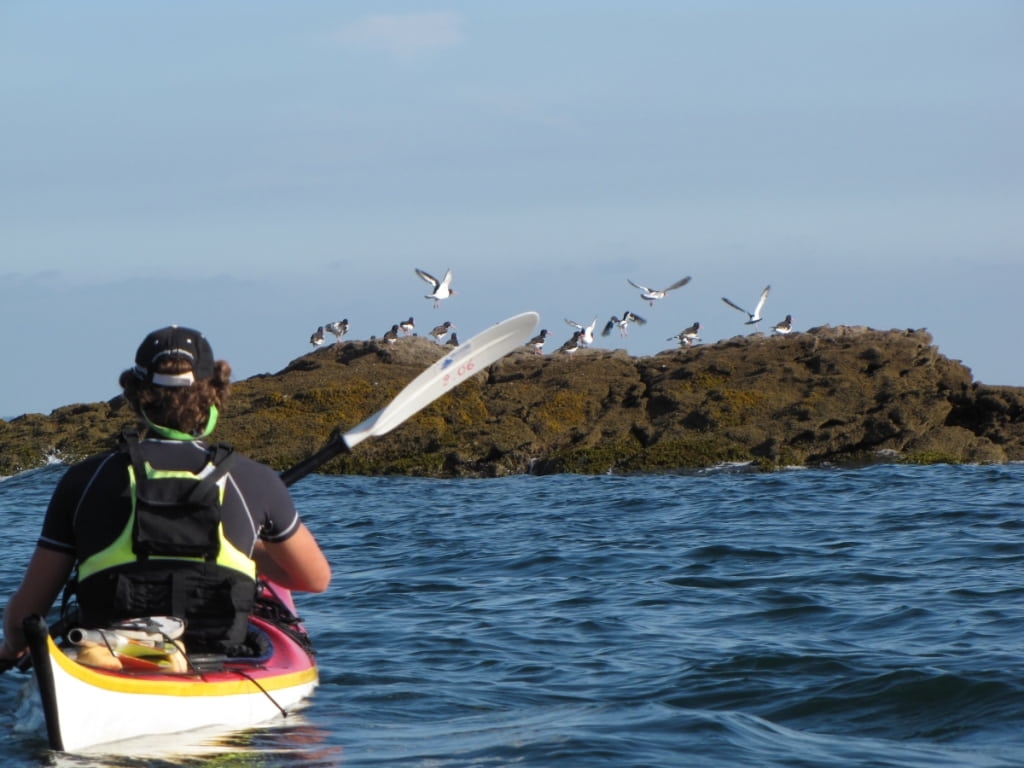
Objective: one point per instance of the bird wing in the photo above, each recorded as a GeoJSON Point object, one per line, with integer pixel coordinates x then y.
{"type": "Point", "coordinates": [429, 277]}
{"type": "Point", "coordinates": [574, 324]}
{"type": "Point", "coordinates": [643, 288]}
{"type": "Point", "coordinates": [609, 325]}
{"type": "Point", "coordinates": [678, 284]}
{"type": "Point", "coordinates": [635, 318]}
{"type": "Point", "coordinates": [447, 278]}
{"type": "Point", "coordinates": [762, 300]}
{"type": "Point", "coordinates": [735, 306]}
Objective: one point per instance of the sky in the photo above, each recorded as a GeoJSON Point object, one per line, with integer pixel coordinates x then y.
{"type": "Point", "coordinates": [256, 169]}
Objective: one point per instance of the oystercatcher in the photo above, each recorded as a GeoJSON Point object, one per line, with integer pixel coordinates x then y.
{"type": "Point", "coordinates": [338, 328]}
{"type": "Point", "coordinates": [537, 342]}
{"type": "Point", "coordinates": [442, 288]}
{"type": "Point", "coordinates": [785, 326]}
{"type": "Point", "coordinates": [651, 295]}
{"type": "Point", "coordinates": [586, 331]}
{"type": "Point", "coordinates": [440, 331]}
{"type": "Point", "coordinates": [572, 345]}
{"type": "Point", "coordinates": [687, 336]}
{"type": "Point", "coordinates": [753, 318]}
{"type": "Point", "coordinates": [623, 324]}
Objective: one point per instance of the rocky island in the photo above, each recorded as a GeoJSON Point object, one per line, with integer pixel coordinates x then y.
{"type": "Point", "coordinates": [828, 396]}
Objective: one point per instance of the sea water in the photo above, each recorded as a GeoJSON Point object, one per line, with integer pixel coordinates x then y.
{"type": "Point", "coordinates": [823, 617]}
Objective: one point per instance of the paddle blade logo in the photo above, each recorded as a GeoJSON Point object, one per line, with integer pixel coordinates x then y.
{"type": "Point", "coordinates": [461, 370]}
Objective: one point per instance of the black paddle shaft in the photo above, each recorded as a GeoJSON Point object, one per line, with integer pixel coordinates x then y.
{"type": "Point", "coordinates": [334, 447]}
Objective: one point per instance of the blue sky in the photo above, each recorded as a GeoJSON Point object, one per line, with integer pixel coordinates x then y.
{"type": "Point", "coordinates": [257, 169]}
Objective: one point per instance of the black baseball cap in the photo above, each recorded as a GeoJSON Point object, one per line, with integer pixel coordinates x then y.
{"type": "Point", "coordinates": [174, 341]}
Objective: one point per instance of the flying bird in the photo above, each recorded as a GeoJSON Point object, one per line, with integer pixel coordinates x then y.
{"type": "Point", "coordinates": [318, 337]}
{"type": "Point", "coordinates": [442, 288]}
{"type": "Point", "coordinates": [687, 336]}
{"type": "Point", "coordinates": [753, 318]}
{"type": "Point", "coordinates": [339, 329]}
{"type": "Point", "coordinates": [586, 331]}
{"type": "Point", "coordinates": [623, 324]}
{"type": "Point", "coordinates": [785, 326]}
{"type": "Point", "coordinates": [537, 342]}
{"type": "Point", "coordinates": [651, 295]}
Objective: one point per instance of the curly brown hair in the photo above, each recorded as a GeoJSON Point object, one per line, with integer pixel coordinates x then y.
{"type": "Point", "coordinates": [185, 409]}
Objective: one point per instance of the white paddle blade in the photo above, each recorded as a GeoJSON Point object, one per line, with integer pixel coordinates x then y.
{"type": "Point", "coordinates": [470, 357]}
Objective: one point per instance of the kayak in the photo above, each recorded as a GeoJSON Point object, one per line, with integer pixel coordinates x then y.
{"type": "Point", "coordinates": [85, 706]}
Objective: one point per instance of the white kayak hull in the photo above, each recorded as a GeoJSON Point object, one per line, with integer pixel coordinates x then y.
{"type": "Point", "coordinates": [85, 707]}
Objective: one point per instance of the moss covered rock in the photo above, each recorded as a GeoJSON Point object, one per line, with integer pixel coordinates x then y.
{"type": "Point", "coordinates": [830, 395]}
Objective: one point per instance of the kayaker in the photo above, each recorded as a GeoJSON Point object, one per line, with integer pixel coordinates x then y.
{"type": "Point", "coordinates": [167, 523]}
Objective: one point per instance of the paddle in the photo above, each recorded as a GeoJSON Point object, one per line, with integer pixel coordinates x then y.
{"type": "Point", "coordinates": [471, 356]}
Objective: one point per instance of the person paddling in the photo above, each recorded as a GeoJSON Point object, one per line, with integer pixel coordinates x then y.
{"type": "Point", "coordinates": [167, 524]}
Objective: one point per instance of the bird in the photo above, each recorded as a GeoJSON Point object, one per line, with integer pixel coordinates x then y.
{"type": "Point", "coordinates": [442, 288]}
{"type": "Point", "coordinates": [407, 326]}
{"type": "Point", "coordinates": [440, 331]}
{"type": "Point", "coordinates": [687, 336]}
{"type": "Point", "coordinates": [586, 331]}
{"type": "Point", "coordinates": [391, 336]}
{"type": "Point", "coordinates": [572, 345]}
{"type": "Point", "coordinates": [318, 336]}
{"type": "Point", "coordinates": [651, 295]}
{"type": "Point", "coordinates": [537, 342]}
{"type": "Point", "coordinates": [785, 326]}
{"type": "Point", "coordinates": [339, 328]}
{"type": "Point", "coordinates": [627, 318]}
{"type": "Point", "coordinates": [453, 340]}
{"type": "Point", "coordinates": [753, 317]}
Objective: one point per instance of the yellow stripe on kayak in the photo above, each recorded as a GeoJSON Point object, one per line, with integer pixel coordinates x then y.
{"type": "Point", "coordinates": [177, 685]}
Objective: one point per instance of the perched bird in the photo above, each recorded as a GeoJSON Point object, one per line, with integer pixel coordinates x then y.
{"type": "Point", "coordinates": [586, 331]}
{"type": "Point", "coordinates": [338, 328]}
{"type": "Point", "coordinates": [651, 295]}
{"type": "Point", "coordinates": [623, 324]}
{"type": "Point", "coordinates": [442, 288]}
{"type": "Point", "coordinates": [392, 335]}
{"type": "Point", "coordinates": [318, 337]}
{"type": "Point", "coordinates": [687, 336]}
{"type": "Point", "coordinates": [785, 326]}
{"type": "Point", "coordinates": [440, 331]}
{"type": "Point", "coordinates": [537, 342]}
{"type": "Point", "coordinates": [453, 340]}
{"type": "Point", "coordinates": [572, 344]}
{"type": "Point", "coordinates": [407, 326]}
{"type": "Point", "coordinates": [753, 317]}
